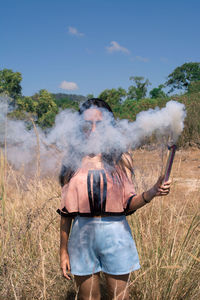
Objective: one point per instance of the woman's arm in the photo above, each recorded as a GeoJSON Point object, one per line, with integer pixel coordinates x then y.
{"type": "Point", "coordinates": [159, 189]}
{"type": "Point", "coordinates": [65, 225]}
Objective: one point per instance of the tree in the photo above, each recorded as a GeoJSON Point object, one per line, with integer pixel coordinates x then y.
{"type": "Point", "coordinates": [46, 109]}
{"type": "Point", "coordinates": [66, 103]}
{"type": "Point", "coordinates": [113, 97]}
{"type": "Point", "coordinates": [194, 87]}
{"type": "Point", "coordinates": [139, 89]}
{"type": "Point", "coordinates": [90, 96]}
{"type": "Point", "coordinates": [10, 83]}
{"type": "Point", "coordinates": [182, 76]}
{"type": "Point", "coordinates": [26, 104]}
{"type": "Point", "coordinates": [157, 92]}
{"type": "Point", "coordinates": [41, 107]}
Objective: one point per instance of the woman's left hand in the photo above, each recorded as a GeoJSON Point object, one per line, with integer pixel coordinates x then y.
{"type": "Point", "coordinates": [162, 188]}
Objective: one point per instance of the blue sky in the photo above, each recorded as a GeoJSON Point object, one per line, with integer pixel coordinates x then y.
{"type": "Point", "coordinates": [86, 46]}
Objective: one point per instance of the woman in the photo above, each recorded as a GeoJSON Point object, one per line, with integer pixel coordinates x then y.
{"type": "Point", "coordinates": [98, 195]}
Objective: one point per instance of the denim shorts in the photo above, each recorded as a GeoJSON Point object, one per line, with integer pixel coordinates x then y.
{"type": "Point", "coordinates": [102, 244]}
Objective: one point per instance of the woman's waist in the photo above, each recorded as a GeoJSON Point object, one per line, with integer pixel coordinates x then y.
{"type": "Point", "coordinates": [101, 218]}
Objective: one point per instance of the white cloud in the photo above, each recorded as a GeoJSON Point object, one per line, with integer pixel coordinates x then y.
{"type": "Point", "coordinates": [141, 58]}
{"type": "Point", "coordinates": [115, 47]}
{"type": "Point", "coordinates": [70, 86]}
{"type": "Point", "coordinates": [74, 31]}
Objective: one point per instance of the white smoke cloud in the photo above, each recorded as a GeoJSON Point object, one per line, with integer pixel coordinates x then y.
{"type": "Point", "coordinates": [115, 47]}
{"type": "Point", "coordinates": [19, 142]}
{"type": "Point", "coordinates": [67, 138]}
{"type": "Point", "coordinates": [168, 120]}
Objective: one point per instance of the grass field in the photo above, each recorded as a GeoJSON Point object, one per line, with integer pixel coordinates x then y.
{"type": "Point", "coordinates": [167, 233]}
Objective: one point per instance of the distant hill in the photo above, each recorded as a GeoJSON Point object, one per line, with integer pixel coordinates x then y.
{"type": "Point", "coordinates": [71, 101]}
{"type": "Point", "coordinates": [71, 97]}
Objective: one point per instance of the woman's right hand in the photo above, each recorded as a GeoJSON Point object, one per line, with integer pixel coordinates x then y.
{"type": "Point", "coordinates": [65, 264]}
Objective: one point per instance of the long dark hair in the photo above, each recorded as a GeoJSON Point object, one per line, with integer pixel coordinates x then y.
{"type": "Point", "coordinates": [95, 102]}
{"type": "Point", "coordinates": [115, 160]}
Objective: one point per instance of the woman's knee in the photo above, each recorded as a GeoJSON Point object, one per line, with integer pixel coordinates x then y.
{"type": "Point", "coordinates": [118, 286]}
{"type": "Point", "coordinates": [88, 287]}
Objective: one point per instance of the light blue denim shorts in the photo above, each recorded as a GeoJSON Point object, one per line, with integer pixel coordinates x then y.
{"type": "Point", "coordinates": [102, 244]}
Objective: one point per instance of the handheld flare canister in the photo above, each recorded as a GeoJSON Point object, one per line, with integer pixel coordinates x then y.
{"type": "Point", "coordinates": [170, 159]}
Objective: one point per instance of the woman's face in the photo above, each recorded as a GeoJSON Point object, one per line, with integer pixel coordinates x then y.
{"type": "Point", "coordinates": [92, 118]}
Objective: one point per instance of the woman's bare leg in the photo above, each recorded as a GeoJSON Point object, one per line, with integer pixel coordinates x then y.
{"type": "Point", "coordinates": [118, 286]}
{"type": "Point", "coordinates": [88, 287]}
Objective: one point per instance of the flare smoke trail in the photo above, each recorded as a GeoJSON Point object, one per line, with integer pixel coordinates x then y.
{"type": "Point", "coordinates": [67, 139]}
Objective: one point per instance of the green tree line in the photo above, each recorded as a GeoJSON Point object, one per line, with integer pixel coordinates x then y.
{"type": "Point", "coordinates": [43, 106]}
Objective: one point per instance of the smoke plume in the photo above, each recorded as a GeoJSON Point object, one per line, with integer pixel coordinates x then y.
{"type": "Point", "coordinates": [67, 139]}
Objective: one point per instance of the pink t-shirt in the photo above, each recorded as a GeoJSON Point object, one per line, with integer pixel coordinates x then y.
{"type": "Point", "coordinates": [92, 191]}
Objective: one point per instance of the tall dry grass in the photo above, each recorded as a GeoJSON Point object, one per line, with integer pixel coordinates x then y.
{"type": "Point", "coordinates": [166, 232]}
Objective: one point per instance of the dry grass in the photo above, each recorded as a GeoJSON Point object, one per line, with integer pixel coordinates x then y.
{"type": "Point", "coordinates": [166, 232]}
